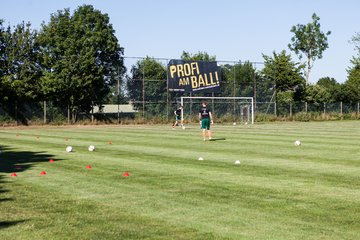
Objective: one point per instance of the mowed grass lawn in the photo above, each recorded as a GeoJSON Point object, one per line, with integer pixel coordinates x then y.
{"type": "Point", "coordinates": [279, 191]}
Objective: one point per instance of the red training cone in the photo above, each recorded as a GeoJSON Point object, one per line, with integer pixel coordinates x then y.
{"type": "Point", "coordinates": [126, 174]}
{"type": "Point", "coordinates": [88, 166]}
{"type": "Point", "coordinates": [43, 173]}
{"type": "Point", "coordinates": [51, 160]}
{"type": "Point", "coordinates": [13, 175]}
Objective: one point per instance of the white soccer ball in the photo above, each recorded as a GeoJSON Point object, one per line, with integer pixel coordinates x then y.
{"type": "Point", "coordinates": [246, 123]}
{"type": "Point", "coordinates": [237, 162]}
{"type": "Point", "coordinates": [297, 143]}
{"type": "Point", "coordinates": [200, 159]}
{"type": "Point", "coordinates": [234, 123]}
{"type": "Point", "coordinates": [69, 149]}
{"type": "Point", "coordinates": [183, 127]}
{"type": "Point", "coordinates": [91, 148]}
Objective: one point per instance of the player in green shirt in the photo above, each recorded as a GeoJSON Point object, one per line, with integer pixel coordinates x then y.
{"type": "Point", "coordinates": [205, 117]}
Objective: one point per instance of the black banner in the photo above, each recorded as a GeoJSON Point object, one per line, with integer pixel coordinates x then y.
{"type": "Point", "coordinates": [193, 76]}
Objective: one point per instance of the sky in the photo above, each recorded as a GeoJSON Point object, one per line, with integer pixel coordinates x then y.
{"type": "Point", "coordinates": [231, 30]}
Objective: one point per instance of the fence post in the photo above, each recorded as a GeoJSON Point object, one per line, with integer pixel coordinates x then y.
{"type": "Point", "coordinates": [45, 112]}
{"type": "Point", "coordinates": [68, 114]}
{"type": "Point", "coordinates": [92, 111]}
{"type": "Point", "coordinates": [167, 101]}
{"type": "Point", "coordinates": [191, 104]}
{"type": "Point", "coordinates": [143, 97]}
{"type": "Point", "coordinates": [16, 112]}
{"type": "Point", "coordinates": [167, 95]}
{"type": "Point", "coordinates": [275, 109]}
{"type": "Point", "coordinates": [118, 97]}
{"type": "Point", "coordinates": [324, 109]}
{"type": "Point", "coordinates": [212, 104]}
{"type": "Point", "coordinates": [234, 92]}
{"type": "Point", "coordinates": [341, 108]}
{"type": "Point", "coordinates": [118, 111]}
{"type": "Point", "coordinates": [254, 94]}
{"type": "Point", "coordinates": [306, 107]}
{"type": "Point", "coordinates": [290, 109]}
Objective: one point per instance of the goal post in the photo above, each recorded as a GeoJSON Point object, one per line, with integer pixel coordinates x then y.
{"type": "Point", "coordinates": [242, 107]}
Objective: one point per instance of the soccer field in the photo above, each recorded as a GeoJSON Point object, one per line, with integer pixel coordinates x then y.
{"type": "Point", "coordinates": [278, 191]}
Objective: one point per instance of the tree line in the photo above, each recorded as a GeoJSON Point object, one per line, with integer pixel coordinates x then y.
{"type": "Point", "coordinates": [76, 62]}
{"type": "Point", "coordinates": [72, 61]}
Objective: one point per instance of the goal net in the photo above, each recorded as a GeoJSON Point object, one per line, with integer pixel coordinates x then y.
{"type": "Point", "coordinates": [224, 109]}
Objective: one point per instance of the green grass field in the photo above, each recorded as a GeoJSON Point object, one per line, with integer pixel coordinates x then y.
{"type": "Point", "coordinates": [279, 191]}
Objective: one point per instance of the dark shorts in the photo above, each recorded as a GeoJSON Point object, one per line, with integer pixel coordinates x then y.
{"type": "Point", "coordinates": [178, 118]}
{"type": "Point", "coordinates": [205, 123]}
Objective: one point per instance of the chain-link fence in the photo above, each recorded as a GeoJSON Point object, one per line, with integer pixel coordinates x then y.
{"type": "Point", "coordinates": [163, 112]}
{"type": "Point", "coordinates": [145, 97]}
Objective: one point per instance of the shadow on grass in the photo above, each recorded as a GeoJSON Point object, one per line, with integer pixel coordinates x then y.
{"type": "Point", "coordinates": [19, 161]}
{"type": "Point", "coordinates": [6, 224]}
{"type": "Point", "coordinates": [3, 191]}
{"type": "Point", "coordinates": [12, 161]}
{"type": "Point", "coordinates": [6, 199]}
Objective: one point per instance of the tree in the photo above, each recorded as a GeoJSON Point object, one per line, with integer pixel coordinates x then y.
{"type": "Point", "coordinates": [285, 75]}
{"type": "Point", "coordinates": [317, 94]}
{"type": "Point", "coordinates": [351, 88]}
{"type": "Point", "coordinates": [310, 41]}
{"type": "Point", "coordinates": [200, 56]}
{"type": "Point", "coordinates": [19, 69]}
{"type": "Point", "coordinates": [148, 83]}
{"type": "Point", "coordinates": [23, 70]}
{"type": "Point", "coordinates": [238, 80]}
{"type": "Point", "coordinates": [356, 41]}
{"type": "Point", "coordinates": [332, 87]}
{"type": "Point", "coordinates": [352, 84]}
{"type": "Point", "coordinates": [327, 82]}
{"type": "Point", "coordinates": [3, 62]}
{"type": "Point", "coordinates": [81, 57]}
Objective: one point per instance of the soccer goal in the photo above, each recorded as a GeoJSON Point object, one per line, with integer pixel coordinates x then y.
{"type": "Point", "coordinates": [232, 109]}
